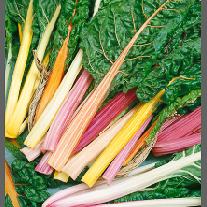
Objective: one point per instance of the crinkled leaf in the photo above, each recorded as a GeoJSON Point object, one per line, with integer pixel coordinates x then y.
{"type": "Point", "coordinates": [8, 202]}
{"type": "Point", "coordinates": [66, 17]}
{"type": "Point", "coordinates": [115, 24]}
{"type": "Point", "coordinates": [32, 186]}
{"type": "Point", "coordinates": [17, 10]}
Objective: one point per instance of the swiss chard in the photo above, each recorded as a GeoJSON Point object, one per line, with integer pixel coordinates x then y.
{"type": "Point", "coordinates": [47, 13]}
{"type": "Point", "coordinates": [187, 181]}
{"type": "Point", "coordinates": [185, 164]}
{"type": "Point", "coordinates": [116, 22]}
{"type": "Point", "coordinates": [166, 113]}
{"type": "Point", "coordinates": [77, 22]}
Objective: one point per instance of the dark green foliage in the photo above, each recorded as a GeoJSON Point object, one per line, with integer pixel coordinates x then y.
{"type": "Point", "coordinates": [7, 201]}
{"type": "Point", "coordinates": [172, 188]}
{"type": "Point", "coordinates": [61, 31]}
{"type": "Point", "coordinates": [167, 48]}
{"type": "Point", "coordinates": [31, 185]}
{"type": "Point", "coordinates": [17, 10]}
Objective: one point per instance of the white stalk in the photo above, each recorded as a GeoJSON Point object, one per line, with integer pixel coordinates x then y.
{"type": "Point", "coordinates": [142, 169]}
{"type": "Point", "coordinates": [117, 189]}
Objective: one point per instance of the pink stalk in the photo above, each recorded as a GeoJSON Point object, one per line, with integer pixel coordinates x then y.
{"type": "Point", "coordinates": [182, 133]}
{"type": "Point", "coordinates": [67, 192]}
{"type": "Point", "coordinates": [117, 163]}
{"type": "Point", "coordinates": [43, 167]}
{"type": "Point", "coordinates": [66, 112]}
{"type": "Point", "coordinates": [31, 154]}
{"type": "Point", "coordinates": [184, 125]}
{"type": "Point", "coordinates": [103, 118]}
{"type": "Point", "coordinates": [176, 145]}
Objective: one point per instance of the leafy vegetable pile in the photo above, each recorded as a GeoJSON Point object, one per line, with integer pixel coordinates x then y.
{"type": "Point", "coordinates": [168, 47]}
{"type": "Point", "coordinates": [92, 88]}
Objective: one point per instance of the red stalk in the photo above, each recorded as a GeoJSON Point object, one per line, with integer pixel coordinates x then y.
{"type": "Point", "coordinates": [104, 117]}
{"type": "Point", "coordinates": [43, 167]}
{"type": "Point", "coordinates": [181, 133]}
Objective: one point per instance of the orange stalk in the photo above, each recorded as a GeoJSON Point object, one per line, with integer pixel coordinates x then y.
{"type": "Point", "coordinates": [10, 187]}
{"type": "Point", "coordinates": [140, 143]}
{"type": "Point", "coordinates": [54, 79]}
{"type": "Point", "coordinates": [79, 124]}
{"type": "Point", "coordinates": [56, 75]}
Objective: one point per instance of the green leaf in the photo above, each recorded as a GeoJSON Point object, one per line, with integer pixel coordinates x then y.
{"type": "Point", "coordinates": [66, 17]}
{"type": "Point", "coordinates": [8, 202]}
{"type": "Point", "coordinates": [17, 10]}
{"type": "Point", "coordinates": [33, 186]}
{"type": "Point", "coordinates": [14, 150]}
{"type": "Point", "coordinates": [115, 24]}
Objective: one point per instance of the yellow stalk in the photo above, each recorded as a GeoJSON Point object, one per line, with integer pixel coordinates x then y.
{"type": "Point", "coordinates": [61, 176]}
{"type": "Point", "coordinates": [45, 62]}
{"type": "Point", "coordinates": [20, 65]}
{"type": "Point", "coordinates": [20, 32]}
{"type": "Point", "coordinates": [119, 141]}
{"type": "Point", "coordinates": [32, 79]}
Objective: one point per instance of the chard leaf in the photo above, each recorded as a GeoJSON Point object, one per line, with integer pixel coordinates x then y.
{"type": "Point", "coordinates": [81, 8]}
{"type": "Point", "coordinates": [115, 24]}
{"type": "Point", "coordinates": [32, 186]}
{"type": "Point", "coordinates": [17, 10]}
{"type": "Point", "coordinates": [8, 202]}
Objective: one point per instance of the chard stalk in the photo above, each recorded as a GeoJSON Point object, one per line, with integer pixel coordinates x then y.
{"type": "Point", "coordinates": [117, 163]}
{"type": "Point", "coordinates": [76, 164]}
{"type": "Point", "coordinates": [105, 116]}
{"type": "Point", "coordinates": [66, 111]}
{"type": "Point", "coordinates": [19, 68]}
{"type": "Point", "coordinates": [43, 166]}
{"type": "Point", "coordinates": [18, 114]}
{"type": "Point", "coordinates": [181, 133]}
{"type": "Point", "coordinates": [48, 115]}
{"type": "Point", "coordinates": [121, 187]}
